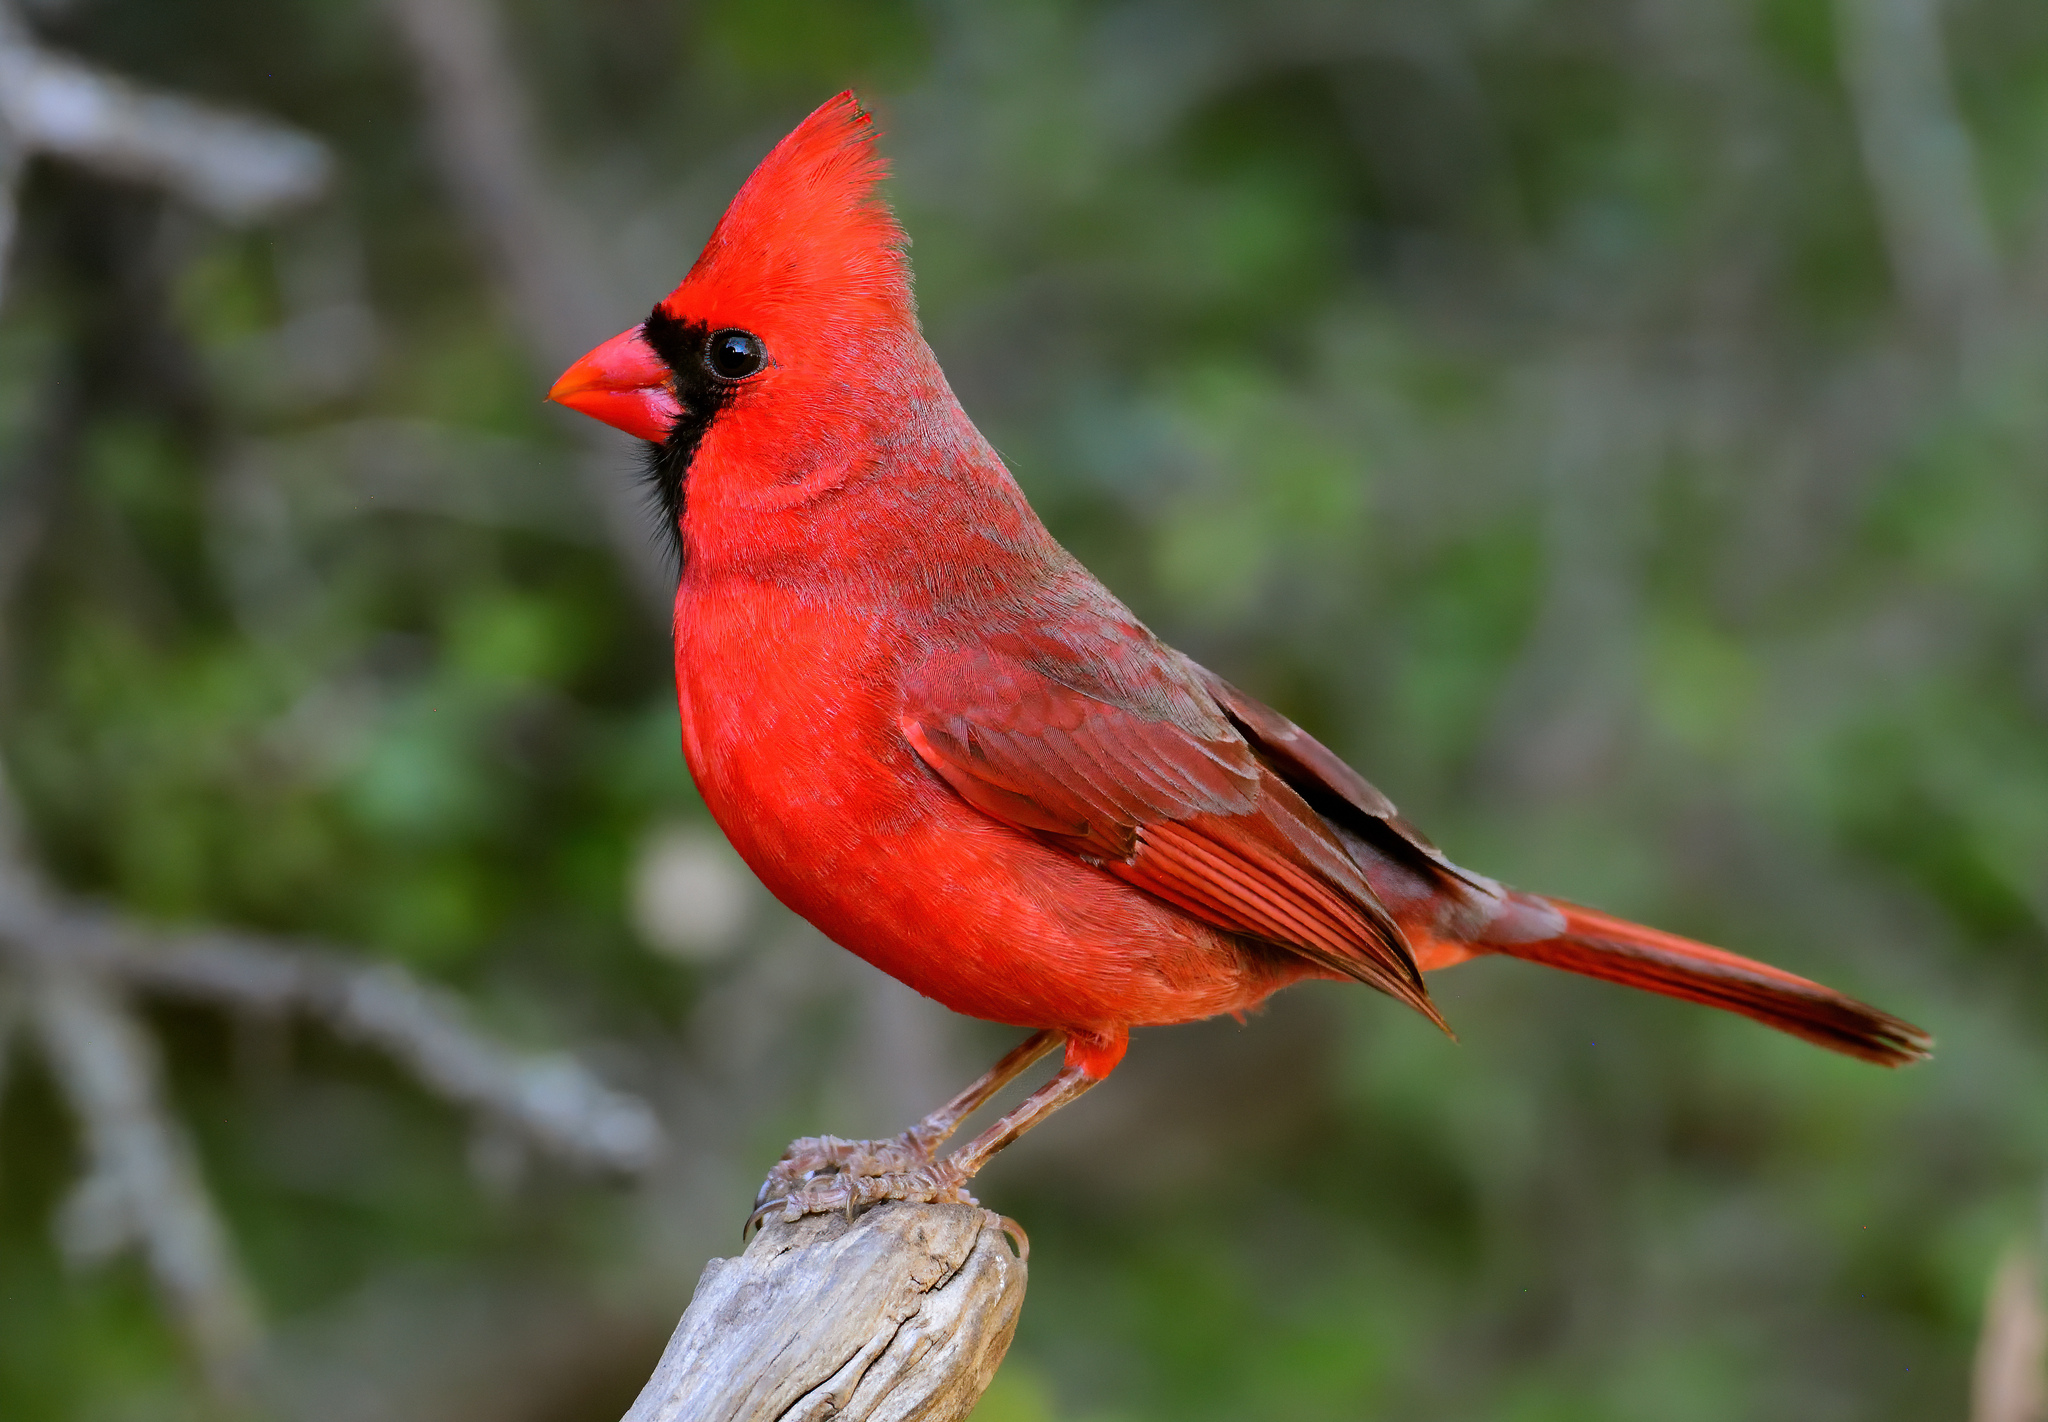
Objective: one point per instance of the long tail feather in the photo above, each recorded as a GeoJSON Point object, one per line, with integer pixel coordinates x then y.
{"type": "Point", "coordinates": [1618, 951]}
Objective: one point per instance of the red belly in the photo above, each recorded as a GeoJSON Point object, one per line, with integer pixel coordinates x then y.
{"type": "Point", "coordinates": [791, 732]}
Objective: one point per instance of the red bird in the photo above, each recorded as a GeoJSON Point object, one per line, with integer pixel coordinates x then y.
{"type": "Point", "coordinates": [931, 732]}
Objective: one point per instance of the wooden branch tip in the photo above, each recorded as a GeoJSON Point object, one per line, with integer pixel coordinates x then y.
{"type": "Point", "coordinates": [902, 1313]}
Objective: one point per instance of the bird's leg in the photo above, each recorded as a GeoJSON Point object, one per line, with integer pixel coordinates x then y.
{"type": "Point", "coordinates": [859, 1173]}
{"type": "Point", "coordinates": [812, 1156]}
{"type": "Point", "coordinates": [1067, 1084]}
{"type": "Point", "coordinates": [934, 1182]}
{"type": "Point", "coordinates": [934, 1130]}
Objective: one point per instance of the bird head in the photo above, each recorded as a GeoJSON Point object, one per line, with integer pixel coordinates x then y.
{"type": "Point", "coordinates": [797, 303]}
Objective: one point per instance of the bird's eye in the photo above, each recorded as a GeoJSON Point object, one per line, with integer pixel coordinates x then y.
{"type": "Point", "coordinates": [735, 355]}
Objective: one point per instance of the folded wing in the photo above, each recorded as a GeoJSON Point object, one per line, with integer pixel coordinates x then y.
{"type": "Point", "coordinates": [1124, 759]}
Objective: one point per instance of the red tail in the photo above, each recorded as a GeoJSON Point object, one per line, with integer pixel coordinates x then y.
{"type": "Point", "coordinates": [1618, 951]}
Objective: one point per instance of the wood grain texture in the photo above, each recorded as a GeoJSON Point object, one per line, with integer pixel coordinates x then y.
{"type": "Point", "coordinates": [902, 1314]}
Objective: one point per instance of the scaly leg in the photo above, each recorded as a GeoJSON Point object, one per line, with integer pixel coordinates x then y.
{"type": "Point", "coordinates": [859, 1173]}
{"type": "Point", "coordinates": [934, 1130]}
{"type": "Point", "coordinates": [812, 1156]}
{"type": "Point", "coordinates": [1066, 1085]}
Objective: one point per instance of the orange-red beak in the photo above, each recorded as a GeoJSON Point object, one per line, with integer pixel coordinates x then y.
{"type": "Point", "coordinates": [624, 383]}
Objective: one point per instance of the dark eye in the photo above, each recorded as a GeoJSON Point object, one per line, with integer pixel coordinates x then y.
{"type": "Point", "coordinates": [735, 355]}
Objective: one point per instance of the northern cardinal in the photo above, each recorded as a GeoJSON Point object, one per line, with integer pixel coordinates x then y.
{"type": "Point", "coordinates": [931, 732]}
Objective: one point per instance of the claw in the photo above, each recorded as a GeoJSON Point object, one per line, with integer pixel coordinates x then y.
{"type": "Point", "coordinates": [863, 1173]}
{"type": "Point", "coordinates": [824, 1174]}
{"type": "Point", "coordinates": [758, 1218]}
{"type": "Point", "coordinates": [851, 1193]}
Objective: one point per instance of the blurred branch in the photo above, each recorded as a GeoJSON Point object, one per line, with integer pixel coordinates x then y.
{"type": "Point", "coordinates": [549, 1099]}
{"type": "Point", "coordinates": [2007, 1384]}
{"type": "Point", "coordinates": [904, 1313]}
{"type": "Point", "coordinates": [12, 162]}
{"type": "Point", "coordinates": [141, 1186]}
{"type": "Point", "coordinates": [10, 1023]}
{"type": "Point", "coordinates": [482, 134]}
{"type": "Point", "coordinates": [1920, 160]}
{"type": "Point", "coordinates": [351, 467]}
{"type": "Point", "coordinates": [236, 166]}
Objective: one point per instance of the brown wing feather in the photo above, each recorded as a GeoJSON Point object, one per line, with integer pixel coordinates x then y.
{"type": "Point", "coordinates": [1332, 787]}
{"type": "Point", "coordinates": [1133, 767]}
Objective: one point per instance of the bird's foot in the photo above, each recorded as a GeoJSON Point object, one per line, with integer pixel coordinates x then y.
{"type": "Point", "coordinates": [812, 1156]}
{"type": "Point", "coordinates": [824, 1174]}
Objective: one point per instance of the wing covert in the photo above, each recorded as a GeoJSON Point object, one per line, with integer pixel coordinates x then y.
{"type": "Point", "coordinates": [1333, 788]}
{"type": "Point", "coordinates": [1134, 768]}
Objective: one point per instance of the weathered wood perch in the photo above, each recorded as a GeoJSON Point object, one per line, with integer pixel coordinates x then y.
{"type": "Point", "coordinates": [900, 1316]}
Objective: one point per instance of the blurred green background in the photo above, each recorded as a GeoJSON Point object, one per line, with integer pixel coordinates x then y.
{"type": "Point", "coordinates": [1618, 426]}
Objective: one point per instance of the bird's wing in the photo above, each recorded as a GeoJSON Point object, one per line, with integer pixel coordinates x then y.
{"type": "Point", "coordinates": [1333, 789]}
{"type": "Point", "coordinates": [1124, 759]}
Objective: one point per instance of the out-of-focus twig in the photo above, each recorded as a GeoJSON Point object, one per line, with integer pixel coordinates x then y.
{"type": "Point", "coordinates": [10, 1023]}
{"type": "Point", "coordinates": [477, 118]}
{"type": "Point", "coordinates": [548, 1099]}
{"type": "Point", "coordinates": [141, 1186]}
{"type": "Point", "coordinates": [1920, 160]}
{"type": "Point", "coordinates": [12, 161]}
{"type": "Point", "coordinates": [2007, 1384]}
{"type": "Point", "coordinates": [236, 166]}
